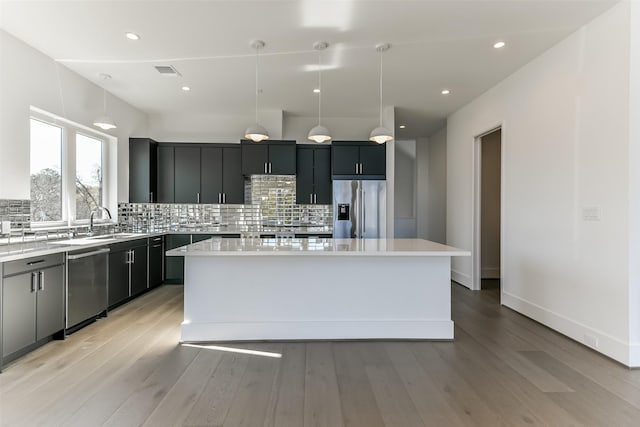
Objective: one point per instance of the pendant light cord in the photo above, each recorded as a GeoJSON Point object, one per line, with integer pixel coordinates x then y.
{"type": "Point", "coordinates": [380, 89]}
{"type": "Point", "coordinates": [319, 88]}
{"type": "Point", "coordinates": [257, 65]}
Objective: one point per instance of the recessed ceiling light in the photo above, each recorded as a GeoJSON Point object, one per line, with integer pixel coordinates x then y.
{"type": "Point", "coordinates": [132, 36]}
{"type": "Point", "coordinates": [445, 91]}
{"type": "Point", "coordinates": [186, 88]}
{"type": "Point", "coordinates": [316, 91]}
{"type": "Point", "coordinates": [499, 45]}
{"type": "Point", "coordinates": [402, 126]}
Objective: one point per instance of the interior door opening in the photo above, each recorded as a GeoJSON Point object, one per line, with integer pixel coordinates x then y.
{"type": "Point", "coordinates": [487, 269]}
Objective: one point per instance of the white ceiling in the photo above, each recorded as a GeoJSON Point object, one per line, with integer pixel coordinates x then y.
{"type": "Point", "coordinates": [435, 45]}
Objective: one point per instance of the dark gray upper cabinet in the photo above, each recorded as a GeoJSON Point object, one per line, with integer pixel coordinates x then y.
{"type": "Point", "coordinates": [268, 157]}
{"type": "Point", "coordinates": [166, 180]}
{"type": "Point", "coordinates": [313, 175]}
{"type": "Point", "coordinates": [187, 174]}
{"type": "Point", "coordinates": [358, 160]}
{"type": "Point", "coordinates": [142, 170]}
{"type": "Point", "coordinates": [221, 179]}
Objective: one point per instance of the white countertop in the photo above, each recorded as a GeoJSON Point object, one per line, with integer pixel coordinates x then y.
{"type": "Point", "coordinates": [316, 247]}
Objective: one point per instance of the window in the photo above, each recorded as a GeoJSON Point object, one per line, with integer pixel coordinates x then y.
{"type": "Point", "coordinates": [68, 164]}
{"type": "Point", "coordinates": [46, 171]}
{"type": "Point", "coordinates": [88, 175]}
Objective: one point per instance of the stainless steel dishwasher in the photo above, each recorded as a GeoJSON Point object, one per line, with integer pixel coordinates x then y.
{"type": "Point", "coordinates": [87, 278]}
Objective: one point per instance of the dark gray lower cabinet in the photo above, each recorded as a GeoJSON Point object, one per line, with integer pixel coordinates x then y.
{"type": "Point", "coordinates": [156, 261]}
{"type": "Point", "coordinates": [127, 270]}
{"type": "Point", "coordinates": [32, 303]}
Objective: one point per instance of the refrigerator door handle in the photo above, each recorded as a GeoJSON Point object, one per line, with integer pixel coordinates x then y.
{"type": "Point", "coordinates": [364, 216]}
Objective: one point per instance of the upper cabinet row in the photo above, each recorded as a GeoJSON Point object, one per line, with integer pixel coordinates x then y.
{"type": "Point", "coordinates": [215, 173]}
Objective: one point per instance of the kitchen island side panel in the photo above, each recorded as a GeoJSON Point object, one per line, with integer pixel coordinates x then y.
{"type": "Point", "coordinates": [283, 297]}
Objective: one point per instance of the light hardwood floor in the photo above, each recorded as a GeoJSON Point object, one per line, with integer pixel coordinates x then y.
{"type": "Point", "coordinates": [502, 370]}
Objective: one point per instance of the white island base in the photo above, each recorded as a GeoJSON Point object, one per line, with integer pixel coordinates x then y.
{"type": "Point", "coordinates": [270, 290]}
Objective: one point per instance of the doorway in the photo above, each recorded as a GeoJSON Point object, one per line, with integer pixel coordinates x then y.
{"type": "Point", "coordinates": [487, 206]}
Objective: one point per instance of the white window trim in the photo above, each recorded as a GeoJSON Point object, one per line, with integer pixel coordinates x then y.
{"type": "Point", "coordinates": [69, 131]}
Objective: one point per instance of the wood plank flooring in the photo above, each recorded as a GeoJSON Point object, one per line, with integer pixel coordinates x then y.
{"type": "Point", "coordinates": [502, 370]}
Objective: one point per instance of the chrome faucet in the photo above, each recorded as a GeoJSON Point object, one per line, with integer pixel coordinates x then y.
{"type": "Point", "coordinates": [99, 208]}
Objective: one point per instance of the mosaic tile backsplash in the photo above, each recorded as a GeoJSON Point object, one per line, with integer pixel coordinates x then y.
{"type": "Point", "coordinates": [17, 211]}
{"type": "Point", "coordinates": [271, 202]}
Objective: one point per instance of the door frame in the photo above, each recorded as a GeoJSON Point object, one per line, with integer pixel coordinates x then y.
{"type": "Point", "coordinates": [476, 221]}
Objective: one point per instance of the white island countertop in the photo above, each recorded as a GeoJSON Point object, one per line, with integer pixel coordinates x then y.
{"type": "Point", "coordinates": [316, 247]}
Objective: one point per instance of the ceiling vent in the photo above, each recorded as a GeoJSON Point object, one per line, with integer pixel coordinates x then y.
{"type": "Point", "coordinates": [167, 70]}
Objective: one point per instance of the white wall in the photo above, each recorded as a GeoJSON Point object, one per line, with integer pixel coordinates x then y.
{"type": "Point", "coordinates": [341, 128]}
{"type": "Point", "coordinates": [405, 189]}
{"type": "Point", "coordinates": [431, 159]}
{"type": "Point", "coordinates": [565, 124]}
{"type": "Point", "coordinates": [30, 78]}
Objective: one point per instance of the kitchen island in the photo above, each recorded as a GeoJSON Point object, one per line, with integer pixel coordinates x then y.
{"type": "Point", "coordinates": [307, 289]}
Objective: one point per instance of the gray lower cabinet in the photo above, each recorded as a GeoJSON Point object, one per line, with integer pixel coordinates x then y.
{"type": "Point", "coordinates": [156, 261]}
{"type": "Point", "coordinates": [32, 302]}
{"type": "Point", "coordinates": [127, 270]}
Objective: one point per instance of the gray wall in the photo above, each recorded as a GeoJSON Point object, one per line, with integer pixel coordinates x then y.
{"type": "Point", "coordinates": [431, 163]}
{"type": "Point", "coordinates": [405, 189]}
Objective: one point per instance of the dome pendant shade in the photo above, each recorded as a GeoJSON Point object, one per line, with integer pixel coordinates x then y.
{"type": "Point", "coordinates": [104, 122]}
{"type": "Point", "coordinates": [319, 134]}
{"type": "Point", "coordinates": [256, 133]}
{"type": "Point", "coordinates": [380, 135]}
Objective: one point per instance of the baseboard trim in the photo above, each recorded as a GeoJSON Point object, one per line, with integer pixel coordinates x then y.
{"type": "Point", "coordinates": [461, 278]}
{"type": "Point", "coordinates": [600, 341]}
{"type": "Point", "coordinates": [490, 273]}
{"type": "Point", "coordinates": [317, 330]}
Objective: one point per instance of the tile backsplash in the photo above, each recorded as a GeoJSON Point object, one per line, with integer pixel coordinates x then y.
{"type": "Point", "coordinates": [16, 211]}
{"type": "Point", "coordinates": [271, 202]}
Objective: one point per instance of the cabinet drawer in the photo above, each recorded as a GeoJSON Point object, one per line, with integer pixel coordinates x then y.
{"type": "Point", "coordinates": [35, 263]}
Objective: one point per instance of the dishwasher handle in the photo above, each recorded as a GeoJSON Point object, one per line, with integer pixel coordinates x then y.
{"type": "Point", "coordinates": [88, 254]}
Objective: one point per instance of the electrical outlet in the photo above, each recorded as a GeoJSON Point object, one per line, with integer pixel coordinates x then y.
{"type": "Point", "coordinates": [591, 341]}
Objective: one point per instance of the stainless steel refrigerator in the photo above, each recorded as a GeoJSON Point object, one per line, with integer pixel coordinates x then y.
{"type": "Point", "coordinates": [359, 209]}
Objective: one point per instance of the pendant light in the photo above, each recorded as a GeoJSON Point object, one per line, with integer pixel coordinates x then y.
{"type": "Point", "coordinates": [381, 134]}
{"type": "Point", "coordinates": [104, 122]}
{"type": "Point", "coordinates": [256, 132]}
{"type": "Point", "coordinates": [319, 133]}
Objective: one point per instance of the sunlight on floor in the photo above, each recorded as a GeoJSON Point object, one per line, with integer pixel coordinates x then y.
{"type": "Point", "coordinates": [235, 350]}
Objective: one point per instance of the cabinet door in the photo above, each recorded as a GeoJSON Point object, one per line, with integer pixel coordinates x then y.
{"type": "Point", "coordinates": [322, 184]}
{"type": "Point", "coordinates": [166, 193]}
{"type": "Point", "coordinates": [374, 160]}
{"type": "Point", "coordinates": [50, 302]}
{"type": "Point", "coordinates": [118, 277]}
{"type": "Point", "coordinates": [142, 168]}
{"type": "Point", "coordinates": [156, 255]}
{"type": "Point", "coordinates": [174, 266]}
{"type": "Point", "coordinates": [304, 175]}
{"type": "Point", "coordinates": [254, 157]}
{"type": "Point", "coordinates": [18, 312]}
{"type": "Point", "coordinates": [187, 174]}
{"type": "Point", "coordinates": [282, 159]}
{"type": "Point", "coordinates": [344, 159]}
{"type": "Point", "coordinates": [139, 270]}
{"type": "Point", "coordinates": [232, 179]}
{"type": "Point", "coordinates": [210, 174]}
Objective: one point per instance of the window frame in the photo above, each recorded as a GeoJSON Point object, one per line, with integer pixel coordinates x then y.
{"type": "Point", "coordinates": [68, 164]}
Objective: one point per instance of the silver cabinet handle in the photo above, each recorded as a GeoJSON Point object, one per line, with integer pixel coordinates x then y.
{"type": "Point", "coordinates": [356, 168]}
{"type": "Point", "coordinates": [269, 167]}
{"type": "Point", "coordinates": [265, 167]}
{"type": "Point", "coordinates": [88, 254]}
{"type": "Point", "coordinates": [219, 198]}
{"type": "Point", "coordinates": [360, 168]}
{"type": "Point", "coordinates": [151, 197]}
{"type": "Point", "coordinates": [157, 246]}
{"type": "Point", "coordinates": [133, 256]}
{"type": "Point", "coordinates": [41, 281]}
{"type": "Point", "coordinates": [315, 198]}
{"type": "Point", "coordinates": [224, 197]}
{"type": "Point", "coordinates": [33, 282]}
{"type": "Point", "coordinates": [310, 198]}
{"type": "Point", "coordinates": [128, 258]}
{"type": "Point", "coordinates": [198, 197]}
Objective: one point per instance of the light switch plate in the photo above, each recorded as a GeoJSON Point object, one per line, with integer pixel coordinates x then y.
{"type": "Point", "coordinates": [591, 213]}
